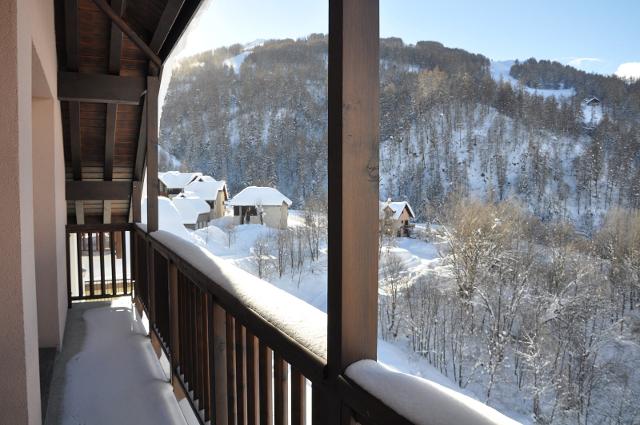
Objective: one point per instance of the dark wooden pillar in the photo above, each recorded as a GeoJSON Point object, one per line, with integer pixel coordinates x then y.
{"type": "Point", "coordinates": [353, 182]}
{"type": "Point", "coordinates": [153, 87]}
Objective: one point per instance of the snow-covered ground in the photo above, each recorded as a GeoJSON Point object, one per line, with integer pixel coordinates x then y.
{"type": "Point", "coordinates": [310, 285]}
{"type": "Point", "coordinates": [235, 62]}
{"type": "Point", "coordinates": [129, 387]}
{"type": "Point", "coordinates": [592, 114]}
{"type": "Point", "coordinates": [418, 259]}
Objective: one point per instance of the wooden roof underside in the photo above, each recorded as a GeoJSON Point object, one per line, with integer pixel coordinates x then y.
{"type": "Point", "coordinates": [101, 86]}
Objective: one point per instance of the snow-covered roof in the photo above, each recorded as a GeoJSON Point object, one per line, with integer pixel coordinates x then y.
{"type": "Point", "coordinates": [190, 207]}
{"type": "Point", "coordinates": [176, 179]}
{"type": "Point", "coordinates": [397, 208]}
{"type": "Point", "coordinates": [255, 195]}
{"type": "Point", "coordinates": [169, 218]}
{"type": "Point", "coordinates": [592, 100]}
{"type": "Point", "coordinates": [206, 187]}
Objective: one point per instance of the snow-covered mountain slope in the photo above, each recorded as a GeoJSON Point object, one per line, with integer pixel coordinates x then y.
{"type": "Point", "coordinates": [446, 125]}
{"type": "Point", "coordinates": [500, 72]}
{"type": "Point", "coordinates": [235, 62]}
{"type": "Point", "coordinates": [491, 157]}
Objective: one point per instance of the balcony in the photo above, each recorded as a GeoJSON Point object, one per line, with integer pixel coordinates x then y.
{"type": "Point", "coordinates": [227, 347]}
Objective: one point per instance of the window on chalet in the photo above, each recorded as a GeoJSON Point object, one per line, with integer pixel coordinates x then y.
{"type": "Point", "coordinates": [517, 279]}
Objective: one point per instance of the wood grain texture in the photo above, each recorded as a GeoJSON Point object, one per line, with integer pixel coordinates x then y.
{"type": "Point", "coordinates": [298, 398]}
{"type": "Point", "coordinates": [251, 344]}
{"type": "Point", "coordinates": [100, 88]}
{"type": "Point", "coordinates": [97, 190]}
{"type": "Point", "coordinates": [353, 102]}
{"type": "Point", "coordinates": [220, 365]}
{"type": "Point", "coordinates": [265, 384]}
{"type": "Point", "coordinates": [153, 87]}
{"type": "Point", "coordinates": [280, 390]}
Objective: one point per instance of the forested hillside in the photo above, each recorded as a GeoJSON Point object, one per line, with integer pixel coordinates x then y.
{"type": "Point", "coordinates": [257, 115]}
{"type": "Point", "coordinates": [526, 297]}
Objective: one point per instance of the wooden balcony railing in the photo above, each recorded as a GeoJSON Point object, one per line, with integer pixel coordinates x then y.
{"type": "Point", "coordinates": [97, 261]}
{"type": "Point", "coordinates": [231, 359]}
{"type": "Point", "coordinates": [240, 349]}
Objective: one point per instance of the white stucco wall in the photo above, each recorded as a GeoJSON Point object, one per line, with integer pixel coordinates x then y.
{"type": "Point", "coordinates": [26, 31]}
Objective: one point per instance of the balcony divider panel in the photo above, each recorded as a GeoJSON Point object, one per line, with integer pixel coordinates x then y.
{"type": "Point", "coordinates": [92, 240]}
{"type": "Point", "coordinates": [112, 251]}
{"type": "Point", "coordinates": [102, 269]}
{"type": "Point", "coordinates": [124, 265]}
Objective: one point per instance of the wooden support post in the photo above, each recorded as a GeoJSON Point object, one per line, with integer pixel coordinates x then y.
{"type": "Point", "coordinates": [136, 198]}
{"type": "Point", "coordinates": [298, 398]}
{"type": "Point", "coordinates": [109, 148]}
{"type": "Point", "coordinates": [112, 255]}
{"type": "Point", "coordinates": [220, 365]}
{"type": "Point", "coordinates": [353, 101]}
{"type": "Point", "coordinates": [151, 285]}
{"type": "Point", "coordinates": [265, 384]}
{"type": "Point", "coordinates": [67, 236]}
{"type": "Point", "coordinates": [153, 87]}
{"type": "Point", "coordinates": [173, 317]}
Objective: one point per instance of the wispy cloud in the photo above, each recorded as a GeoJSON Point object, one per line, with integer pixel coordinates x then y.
{"type": "Point", "coordinates": [580, 62]}
{"type": "Point", "coordinates": [629, 70]}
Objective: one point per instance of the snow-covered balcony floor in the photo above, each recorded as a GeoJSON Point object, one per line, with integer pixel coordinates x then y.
{"type": "Point", "coordinates": [108, 373]}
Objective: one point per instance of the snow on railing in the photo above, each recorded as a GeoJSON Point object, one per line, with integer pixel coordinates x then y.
{"type": "Point", "coordinates": [421, 401]}
{"type": "Point", "coordinates": [299, 320]}
{"type": "Point", "coordinates": [407, 397]}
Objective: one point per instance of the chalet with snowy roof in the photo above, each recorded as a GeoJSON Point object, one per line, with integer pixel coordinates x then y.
{"type": "Point", "coordinates": [592, 112]}
{"type": "Point", "coordinates": [194, 211]}
{"type": "Point", "coordinates": [213, 192]}
{"type": "Point", "coordinates": [172, 183]}
{"type": "Point", "coordinates": [395, 218]}
{"type": "Point", "coordinates": [592, 101]}
{"type": "Point", "coordinates": [261, 205]}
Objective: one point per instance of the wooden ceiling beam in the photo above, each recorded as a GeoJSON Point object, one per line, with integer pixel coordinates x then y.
{"type": "Point", "coordinates": [100, 88]}
{"type": "Point", "coordinates": [187, 12]}
{"type": "Point", "coordinates": [97, 190]}
{"type": "Point", "coordinates": [115, 56]}
{"type": "Point", "coordinates": [110, 140]}
{"type": "Point", "coordinates": [138, 169]}
{"type": "Point", "coordinates": [74, 140]}
{"type": "Point", "coordinates": [168, 17]}
{"type": "Point", "coordinates": [135, 38]}
{"type": "Point", "coordinates": [115, 41]}
{"type": "Point", "coordinates": [76, 153]}
{"type": "Point", "coordinates": [153, 88]}
{"type": "Point", "coordinates": [109, 148]}
{"type": "Point", "coordinates": [71, 34]}
{"type": "Point", "coordinates": [72, 48]}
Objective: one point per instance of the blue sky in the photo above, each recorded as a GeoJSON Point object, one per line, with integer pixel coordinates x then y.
{"type": "Point", "coordinates": [593, 35]}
